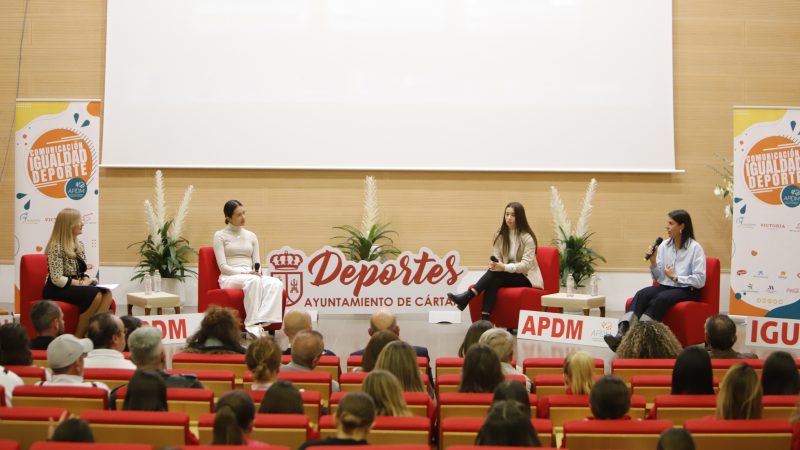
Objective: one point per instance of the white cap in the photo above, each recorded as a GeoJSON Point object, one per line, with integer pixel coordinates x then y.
{"type": "Point", "coordinates": [64, 350]}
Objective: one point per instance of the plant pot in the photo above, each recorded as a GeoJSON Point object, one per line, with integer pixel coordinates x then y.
{"type": "Point", "coordinates": [174, 286]}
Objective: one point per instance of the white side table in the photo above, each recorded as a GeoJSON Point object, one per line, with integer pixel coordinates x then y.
{"type": "Point", "coordinates": [156, 300]}
{"type": "Point", "coordinates": [585, 302]}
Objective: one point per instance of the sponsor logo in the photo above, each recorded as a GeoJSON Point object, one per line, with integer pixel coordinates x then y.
{"type": "Point", "coordinates": [741, 272]}
{"type": "Point", "coordinates": [771, 289]}
{"type": "Point", "coordinates": [773, 226]}
{"type": "Point", "coordinates": [793, 290]}
{"type": "Point", "coordinates": [782, 275]}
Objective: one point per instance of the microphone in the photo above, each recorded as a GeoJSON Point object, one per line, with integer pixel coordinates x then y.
{"type": "Point", "coordinates": [493, 258]}
{"type": "Point", "coordinates": [257, 268]}
{"type": "Point", "coordinates": [649, 254]}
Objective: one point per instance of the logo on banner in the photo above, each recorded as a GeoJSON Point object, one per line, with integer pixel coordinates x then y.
{"type": "Point", "coordinates": [767, 332]}
{"type": "Point", "coordinates": [327, 281]}
{"type": "Point", "coordinates": [564, 328]}
{"type": "Point", "coordinates": [60, 164]}
{"type": "Point", "coordinates": [772, 171]}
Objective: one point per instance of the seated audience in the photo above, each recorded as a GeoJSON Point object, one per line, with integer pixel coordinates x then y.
{"type": "Point", "coordinates": [263, 360]}
{"type": "Point", "coordinates": [294, 321]}
{"type": "Point", "coordinates": [218, 334]}
{"type": "Point", "coordinates": [9, 380]}
{"type": "Point", "coordinates": [482, 372]}
{"type": "Point", "coordinates": [308, 347]}
{"type": "Point", "coordinates": [72, 429]}
{"type": "Point", "coordinates": [502, 343]}
{"type": "Point", "coordinates": [610, 398]}
{"type": "Point", "coordinates": [353, 419]}
{"type": "Point", "coordinates": [132, 323]}
{"type": "Point", "coordinates": [739, 394]}
{"type": "Point", "coordinates": [400, 360]}
{"type": "Point", "coordinates": [692, 374]}
{"type": "Point", "coordinates": [508, 424]}
{"type": "Point", "coordinates": [65, 360]}
{"type": "Point", "coordinates": [780, 376]}
{"type": "Point", "coordinates": [513, 390]}
{"type": "Point", "coordinates": [376, 343]}
{"type": "Point", "coordinates": [15, 346]}
{"type": "Point", "coordinates": [146, 391]}
{"type": "Point", "coordinates": [649, 340]}
{"type": "Point", "coordinates": [473, 334]}
{"type": "Point", "coordinates": [282, 398]}
{"type": "Point", "coordinates": [579, 373]}
{"type": "Point", "coordinates": [720, 337]}
{"type": "Point", "coordinates": [386, 392]}
{"type": "Point", "coordinates": [107, 333]}
{"type": "Point", "coordinates": [48, 321]}
{"type": "Point", "coordinates": [675, 439]}
{"type": "Point", "coordinates": [233, 421]}
{"type": "Point", "coordinates": [147, 353]}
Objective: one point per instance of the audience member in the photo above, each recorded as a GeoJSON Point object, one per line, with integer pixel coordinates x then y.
{"type": "Point", "coordinates": [482, 372]}
{"type": "Point", "coordinates": [675, 439]}
{"type": "Point", "coordinates": [502, 343]}
{"type": "Point", "coordinates": [400, 359]}
{"type": "Point", "coordinates": [473, 334]}
{"type": "Point", "coordinates": [72, 429]}
{"type": "Point", "coordinates": [649, 340]}
{"type": "Point", "coordinates": [107, 333]}
{"type": "Point", "coordinates": [307, 348]}
{"type": "Point", "coordinates": [513, 390]}
{"type": "Point", "coordinates": [579, 373]}
{"type": "Point", "coordinates": [233, 421]}
{"type": "Point", "coordinates": [146, 391]}
{"type": "Point", "coordinates": [376, 343]}
{"type": "Point", "coordinates": [147, 353]}
{"type": "Point", "coordinates": [282, 398]}
{"type": "Point", "coordinates": [15, 346]}
{"type": "Point", "coordinates": [65, 359]}
{"type": "Point", "coordinates": [297, 320]}
{"type": "Point", "coordinates": [218, 333]}
{"type": "Point", "coordinates": [720, 337]}
{"type": "Point", "coordinates": [610, 398]}
{"type": "Point", "coordinates": [692, 374]}
{"type": "Point", "coordinates": [9, 380]}
{"type": "Point", "coordinates": [263, 360]}
{"type": "Point", "coordinates": [353, 420]}
{"type": "Point", "coordinates": [739, 394]}
{"type": "Point", "coordinates": [508, 424]}
{"type": "Point", "coordinates": [132, 323]}
{"type": "Point", "coordinates": [385, 390]}
{"type": "Point", "coordinates": [48, 321]}
{"type": "Point", "coordinates": [780, 376]}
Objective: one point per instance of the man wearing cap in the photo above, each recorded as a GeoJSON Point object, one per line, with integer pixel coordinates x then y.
{"type": "Point", "coordinates": [65, 359]}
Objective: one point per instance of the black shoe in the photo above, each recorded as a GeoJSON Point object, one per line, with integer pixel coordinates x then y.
{"type": "Point", "coordinates": [612, 341]}
{"type": "Point", "coordinates": [461, 300]}
{"type": "Point", "coordinates": [486, 316]}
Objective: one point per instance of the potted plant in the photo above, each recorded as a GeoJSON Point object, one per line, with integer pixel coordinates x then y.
{"type": "Point", "coordinates": [577, 258]}
{"type": "Point", "coordinates": [164, 250]}
{"type": "Point", "coordinates": [370, 242]}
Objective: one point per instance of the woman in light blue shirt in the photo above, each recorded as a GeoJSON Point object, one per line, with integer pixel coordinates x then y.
{"type": "Point", "coordinates": [678, 265]}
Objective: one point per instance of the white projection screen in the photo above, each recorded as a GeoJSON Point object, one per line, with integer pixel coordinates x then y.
{"type": "Point", "coordinates": [477, 85]}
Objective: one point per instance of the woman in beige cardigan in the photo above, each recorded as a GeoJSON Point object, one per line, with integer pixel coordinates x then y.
{"type": "Point", "coordinates": [513, 262]}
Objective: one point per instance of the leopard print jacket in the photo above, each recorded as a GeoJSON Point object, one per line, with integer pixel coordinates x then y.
{"type": "Point", "coordinates": [63, 268]}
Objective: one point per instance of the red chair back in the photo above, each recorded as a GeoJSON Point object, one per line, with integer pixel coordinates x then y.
{"type": "Point", "coordinates": [552, 366]}
{"type": "Point", "coordinates": [90, 446]}
{"type": "Point", "coordinates": [163, 429]}
{"type": "Point", "coordinates": [33, 274]}
{"type": "Point", "coordinates": [680, 408]}
{"type": "Point", "coordinates": [29, 374]}
{"type": "Point", "coordinates": [290, 430]}
{"type": "Point", "coordinates": [312, 404]}
{"type": "Point", "coordinates": [628, 368]}
{"type": "Point", "coordinates": [207, 276]}
{"type": "Point", "coordinates": [27, 425]}
{"type": "Point", "coordinates": [112, 378]}
{"type": "Point", "coordinates": [9, 445]}
{"type": "Point", "coordinates": [388, 430]}
{"type": "Point", "coordinates": [593, 434]}
{"type": "Point", "coordinates": [739, 434]}
{"type": "Point", "coordinates": [460, 431]}
{"type": "Point", "coordinates": [74, 399]}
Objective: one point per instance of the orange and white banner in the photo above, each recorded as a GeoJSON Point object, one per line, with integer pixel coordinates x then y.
{"type": "Point", "coordinates": [57, 149]}
{"type": "Point", "coordinates": [565, 328]}
{"type": "Point", "coordinates": [775, 333]}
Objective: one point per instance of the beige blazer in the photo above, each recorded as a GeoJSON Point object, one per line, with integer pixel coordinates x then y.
{"type": "Point", "coordinates": [525, 259]}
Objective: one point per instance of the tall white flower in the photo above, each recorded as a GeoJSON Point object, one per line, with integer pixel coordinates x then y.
{"type": "Point", "coordinates": [561, 222]}
{"type": "Point", "coordinates": [177, 226]}
{"type": "Point", "coordinates": [161, 203]}
{"type": "Point", "coordinates": [150, 218]}
{"type": "Point", "coordinates": [370, 216]}
{"type": "Point", "coordinates": [586, 209]}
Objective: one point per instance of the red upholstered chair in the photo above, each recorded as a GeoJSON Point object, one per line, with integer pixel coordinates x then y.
{"type": "Point", "coordinates": [680, 408]}
{"type": "Point", "coordinates": [190, 401]}
{"type": "Point", "coordinates": [156, 428]}
{"type": "Point", "coordinates": [419, 403]}
{"type": "Point", "coordinates": [459, 404]}
{"type": "Point", "coordinates": [326, 363]}
{"type": "Point", "coordinates": [388, 430]}
{"type": "Point", "coordinates": [562, 408]}
{"type": "Point", "coordinates": [33, 274]}
{"type": "Point", "coordinates": [209, 293]}
{"type": "Point", "coordinates": [112, 378]}
{"type": "Point", "coordinates": [628, 368]}
{"type": "Point", "coordinates": [312, 404]}
{"type": "Point", "coordinates": [687, 319]}
{"type": "Point", "coordinates": [652, 386]}
{"type": "Point", "coordinates": [555, 366]}
{"type": "Point", "coordinates": [779, 406]}
{"type": "Point", "coordinates": [91, 446]}
{"type": "Point", "coordinates": [459, 431]}
{"type": "Point", "coordinates": [593, 434]}
{"type": "Point", "coordinates": [373, 447]}
{"type": "Point", "coordinates": [510, 301]}
{"type": "Point", "coordinates": [74, 399]}
{"type": "Point", "coordinates": [9, 445]}
{"type": "Point", "coordinates": [714, 434]}
{"type": "Point", "coordinates": [205, 361]}
{"type": "Point", "coordinates": [217, 381]}
{"type": "Point", "coordinates": [289, 430]}
{"type": "Point", "coordinates": [720, 366]}
{"type": "Point", "coordinates": [39, 358]}
{"type": "Point", "coordinates": [27, 425]}
{"type": "Point", "coordinates": [312, 381]}
{"type": "Point", "coordinates": [354, 361]}
{"type": "Point", "coordinates": [450, 382]}
{"type": "Point", "coordinates": [29, 374]}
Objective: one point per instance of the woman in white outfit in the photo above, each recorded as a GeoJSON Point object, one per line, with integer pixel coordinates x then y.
{"type": "Point", "coordinates": [237, 254]}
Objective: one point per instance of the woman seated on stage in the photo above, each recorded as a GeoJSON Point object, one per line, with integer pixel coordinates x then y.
{"type": "Point", "coordinates": [238, 258]}
{"type": "Point", "coordinates": [218, 334]}
{"type": "Point", "coordinates": [692, 374]}
{"type": "Point", "coordinates": [579, 373]}
{"type": "Point", "coordinates": [263, 360]}
{"type": "Point", "coordinates": [649, 340]}
{"type": "Point", "coordinates": [513, 262]}
{"type": "Point", "coordinates": [482, 371]}
{"type": "Point", "coordinates": [678, 264]}
{"type": "Point", "coordinates": [67, 280]}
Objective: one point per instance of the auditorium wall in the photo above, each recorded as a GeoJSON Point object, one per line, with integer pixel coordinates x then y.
{"type": "Point", "coordinates": [726, 52]}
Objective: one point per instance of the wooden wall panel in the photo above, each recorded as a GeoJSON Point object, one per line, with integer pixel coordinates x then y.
{"type": "Point", "coordinates": [726, 52]}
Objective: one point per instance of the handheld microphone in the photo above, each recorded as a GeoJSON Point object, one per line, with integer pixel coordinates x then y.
{"type": "Point", "coordinates": [649, 254]}
{"type": "Point", "coordinates": [493, 258]}
{"type": "Point", "coordinates": [257, 267]}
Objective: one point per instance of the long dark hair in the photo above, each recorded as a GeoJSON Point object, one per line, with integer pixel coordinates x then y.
{"type": "Point", "coordinates": [234, 414]}
{"type": "Point", "coordinates": [508, 424]}
{"type": "Point", "coordinates": [15, 346]}
{"type": "Point", "coordinates": [146, 391]}
{"type": "Point", "coordinates": [692, 374]}
{"type": "Point", "coordinates": [521, 223]}
{"type": "Point", "coordinates": [780, 376]}
{"type": "Point", "coordinates": [229, 208]}
{"type": "Point", "coordinates": [281, 398]}
{"type": "Point", "coordinates": [482, 371]}
{"type": "Point", "coordinates": [473, 334]}
{"type": "Point", "coordinates": [683, 218]}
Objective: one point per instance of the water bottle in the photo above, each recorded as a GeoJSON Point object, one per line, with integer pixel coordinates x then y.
{"type": "Point", "coordinates": [148, 284]}
{"type": "Point", "coordinates": [593, 285]}
{"type": "Point", "coordinates": [157, 281]}
{"type": "Point", "coordinates": [570, 284]}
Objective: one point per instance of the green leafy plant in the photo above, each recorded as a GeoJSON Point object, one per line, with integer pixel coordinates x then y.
{"type": "Point", "coordinates": [370, 246]}
{"type": "Point", "coordinates": [165, 254]}
{"type": "Point", "coordinates": [577, 257]}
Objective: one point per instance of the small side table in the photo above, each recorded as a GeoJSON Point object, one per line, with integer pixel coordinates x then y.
{"type": "Point", "coordinates": [575, 301]}
{"type": "Point", "coordinates": [156, 300]}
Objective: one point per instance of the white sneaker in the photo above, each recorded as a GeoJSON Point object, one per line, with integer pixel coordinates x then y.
{"type": "Point", "coordinates": [254, 329]}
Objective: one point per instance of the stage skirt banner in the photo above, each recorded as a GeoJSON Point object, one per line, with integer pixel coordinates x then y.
{"type": "Point", "coordinates": [565, 328]}
{"type": "Point", "coordinates": [765, 269]}
{"type": "Point", "coordinates": [328, 282]}
{"type": "Point", "coordinates": [175, 328]}
{"type": "Point", "coordinates": [774, 333]}
{"type": "Point", "coordinates": [57, 151]}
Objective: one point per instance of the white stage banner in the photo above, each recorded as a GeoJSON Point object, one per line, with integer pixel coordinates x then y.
{"type": "Point", "coordinates": [175, 328]}
{"type": "Point", "coordinates": [326, 281]}
{"type": "Point", "coordinates": [775, 333]}
{"type": "Point", "coordinates": [57, 153]}
{"type": "Point", "coordinates": [565, 328]}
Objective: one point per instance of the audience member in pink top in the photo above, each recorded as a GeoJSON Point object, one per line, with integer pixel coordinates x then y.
{"type": "Point", "coordinates": [233, 422]}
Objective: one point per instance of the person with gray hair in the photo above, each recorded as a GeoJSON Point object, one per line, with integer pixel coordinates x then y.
{"type": "Point", "coordinates": [147, 352]}
{"type": "Point", "coordinates": [307, 347]}
{"type": "Point", "coordinates": [48, 320]}
{"type": "Point", "coordinates": [502, 343]}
